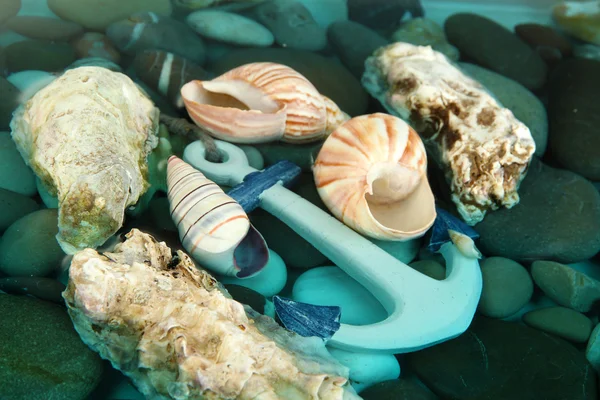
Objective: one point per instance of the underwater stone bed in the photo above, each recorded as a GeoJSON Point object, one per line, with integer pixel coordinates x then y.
{"type": "Point", "coordinates": [480, 115]}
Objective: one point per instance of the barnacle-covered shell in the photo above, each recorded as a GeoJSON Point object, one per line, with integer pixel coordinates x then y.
{"type": "Point", "coordinates": [260, 102]}
{"type": "Point", "coordinates": [212, 226]}
{"type": "Point", "coordinates": [177, 334]}
{"type": "Point", "coordinates": [87, 136]}
{"type": "Point", "coordinates": [371, 174]}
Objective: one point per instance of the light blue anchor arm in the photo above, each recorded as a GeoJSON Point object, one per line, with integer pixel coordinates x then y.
{"type": "Point", "coordinates": [422, 311]}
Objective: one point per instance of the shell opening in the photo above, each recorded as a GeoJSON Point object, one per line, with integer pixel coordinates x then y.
{"type": "Point", "coordinates": [400, 198]}
{"type": "Point", "coordinates": [251, 255]}
{"type": "Point", "coordinates": [232, 94]}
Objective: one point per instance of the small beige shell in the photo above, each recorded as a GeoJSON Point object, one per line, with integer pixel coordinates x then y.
{"type": "Point", "coordinates": [371, 174]}
{"type": "Point", "coordinates": [464, 244]}
{"type": "Point", "coordinates": [212, 226]}
{"type": "Point", "coordinates": [261, 102]}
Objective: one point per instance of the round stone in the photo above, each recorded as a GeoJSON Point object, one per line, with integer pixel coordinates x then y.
{"type": "Point", "coordinates": [29, 246]}
{"type": "Point", "coordinates": [507, 287]}
{"type": "Point", "coordinates": [267, 282]}
{"type": "Point", "coordinates": [95, 44]}
{"type": "Point", "coordinates": [493, 46]}
{"type": "Point", "coordinates": [30, 82]}
{"type": "Point", "coordinates": [245, 295]}
{"type": "Point", "coordinates": [543, 36]}
{"type": "Point", "coordinates": [42, 354]}
{"type": "Point", "coordinates": [39, 55]}
{"type": "Point", "coordinates": [431, 268]}
{"type": "Point", "coordinates": [397, 389]}
{"type": "Point", "coordinates": [15, 175]}
{"type": "Point", "coordinates": [425, 32]}
{"type": "Point", "coordinates": [13, 206]}
{"type": "Point", "coordinates": [9, 9]}
{"type": "Point", "coordinates": [10, 95]}
{"type": "Point", "coordinates": [561, 321]}
{"type": "Point", "coordinates": [97, 15]}
{"type": "Point", "coordinates": [44, 28]}
{"type": "Point", "coordinates": [330, 286]}
{"type": "Point", "coordinates": [230, 28]}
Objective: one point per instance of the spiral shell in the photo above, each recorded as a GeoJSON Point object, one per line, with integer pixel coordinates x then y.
{"type": "Point", "coordinates": [261, 102]}
{"type": "Point", "coordinates": [371, 174]}
{"type": "Point", "coordinates": [212, 226]}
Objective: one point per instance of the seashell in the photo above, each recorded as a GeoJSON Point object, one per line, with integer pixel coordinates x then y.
{"type": "Point", "coordinates": [444, 223]}
{"type": "Point", "coordinates": [464, 244]}
{"type": "Point", "coordinates": [261, 102]}
{"type": "Point", "coordinates": [212, 226]}
{"type": "Point", "coordinates": [371, 174]}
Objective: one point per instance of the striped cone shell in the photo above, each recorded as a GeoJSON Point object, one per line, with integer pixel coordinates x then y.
{"type": "Point", "coordinates": [212, 226]}
{"type": "Point", "coordinates": [371, 174]}
{"type": "Point", "coordinates": [260, 102]}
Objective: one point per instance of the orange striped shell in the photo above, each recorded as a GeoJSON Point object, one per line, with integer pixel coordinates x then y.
{"type": "Point", "coordinates": [261, 102]}
{"type": "Point", "coordinates": [371, 174]}
{"type": "Point", "coordinates": [212, 226]}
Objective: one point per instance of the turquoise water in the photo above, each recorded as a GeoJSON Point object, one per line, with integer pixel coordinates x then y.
{"type": "Point", "coordinates": [377, 199]}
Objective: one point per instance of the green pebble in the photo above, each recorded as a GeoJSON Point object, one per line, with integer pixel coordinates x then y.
{"type": "Point", "coordinates": [247, 296]}
{"type": "Point", "coordinates": [14, 206]}
{"type": "Point", "coordinates": [15, 175]}
{"type": "Point", "coordinates": [29, 246]}
{"type": "Point", "coordinates": [431, 268]}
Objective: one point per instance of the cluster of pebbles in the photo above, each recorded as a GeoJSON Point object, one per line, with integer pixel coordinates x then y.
{"type": "Point", "coordinates": [538, 313]}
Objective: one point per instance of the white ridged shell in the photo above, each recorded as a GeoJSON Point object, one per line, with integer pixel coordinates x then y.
{"type": "Point", "coordinates": [211, 224]}
{"type": "Point", "coordinates": [261, 102]}
{"type": "Point", "coordinates": [371, 174]}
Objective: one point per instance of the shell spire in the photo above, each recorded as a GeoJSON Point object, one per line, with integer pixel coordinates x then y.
{"type": "Point", "coordinates": [212, 226]}
{"type": "Point", "coordinates": [371, 174]}
{"type": "Point", "coordinates": [261, 102]}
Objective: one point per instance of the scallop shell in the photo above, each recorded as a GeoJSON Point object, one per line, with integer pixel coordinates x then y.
{"type": "Point", "coordinates": [261, 102]}
{"type": "Point", "coordinates": [371, 174]}
{"type": "Point", "coordinates": [212, 226]}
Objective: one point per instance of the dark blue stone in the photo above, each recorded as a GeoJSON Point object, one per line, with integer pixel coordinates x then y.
{"type": "Point", "coordinates": [247, 193]}
{"type": "Point", "coordinates": [383, 14]}
{"type": "Point", "coordinates": [443, 222]}
{"type": "Point", "coordinates": [308, 319]}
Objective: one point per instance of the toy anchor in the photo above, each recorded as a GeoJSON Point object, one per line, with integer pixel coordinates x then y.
{"type": "Point", "coordinates": [422, 311]}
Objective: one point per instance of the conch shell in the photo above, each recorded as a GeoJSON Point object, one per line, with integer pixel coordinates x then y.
{"type": "Point", "coordinates": [261, 102]}
{"type": "Point", "coordinates": [212, 226]}
{"type": "Point", "coordinates": [371, 174]}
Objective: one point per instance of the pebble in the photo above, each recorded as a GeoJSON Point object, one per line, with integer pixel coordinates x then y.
{"type": "Point", "coordinates": [29, 246]}
{"type": "Point", "coordinates": [425, 32]}
{"type": "Point", "coordinates": [589, 51]}
{"type": "Point", "coordinates": [580, 19]}
{"type": "Point", "coordinates": [97, 16]}
{"type": "Point", "coordinates": [526, 106]}
{"type": "Point", "coordinates": [367, 369]}
{"type": "Point", "coordinates": [160, 214]}
{"type": "Point", "coordinates": [13, 206]}
{"type": "Point", "coordinates": [493, 46]}
{"type": "Point", "coordinates": [10, 95]}
{"type": "Point", "coordinates": [95, 62]}
{"type": "Point", "coordinates": [48, 199]}
{"type": "Point", "coordinates": [560, 321]}
{"type": "Point", "coordinates": [245, 295]}
{"type": "Point", "coordinates": [268, 282]}
{"type": "Point", "coordinates": [303, 155]}
{"type": "Point", "coordinates": [566, 286]}
{"type": "Point", "coordinates": [3, 66]}
{"type": "Point", "coordinates": [43, 288]}
{"type": "Point", "coordinates": [572, 99]}
{"type": "Point", "coordinates": [549, 44]}
{"type": "Point", "coordinates": [507, 287]}
{"type": "Point", "coordinates": [397, 389]}
{"type": "Point", "coordinates": [327, 12]}
{"type": "Point", "coordinates": [39, 55]}
{"type": "Point", "coordinates": [539, 300]}
{"type": "Point", "coordinates": [330, 286]}
{"type": "Point", "coordinates": [15, 175]}
{"type": "Point", "coordinates": [353, 43]}
{"type": "Point", "coordinates": [592, 352]}
{"type": "Point", "coordinates": [44, 28]}
{"type": "Point", "coordinates": [9, 9]}
{"type": "Point", "coordinates": [166, 73]}
{"type": "Point", "coordinates": [292, 25]}
{"type": "Point", "coordinates": [431, 268]}
{"type": "Point", "coordinates": [495, 359]}
{"type": "Point", "coordinates": [230, 28]}
{"type": "Point", "coordinates": [30, 82]}
{"type": "Point", "coordinates": [255, 159]}
{"type": "Point", "coordinates": [149, 31]}
{"type": "Point", "coordinates": [95, 44]}
{"type": "Point", "coordinates": [329, 77]}
{"type": "Point", "coordinates": [382, 14]}
{"type": "Point", "coordinates": [36, 8]}
{"type": "Point", "coordinates": [557, 218]}
{"type": "Point", "coordinates": [42, 354]}
{"type": "Point", "coordinates": [403, 251]}
{"type": "Point", "coordinates": [426, 254]}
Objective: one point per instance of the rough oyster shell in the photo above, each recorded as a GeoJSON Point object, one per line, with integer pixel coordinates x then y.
{"type": "Point", "coordinates": [176, 332]}
{"type": "Point", "coordinates": [87, 135]}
